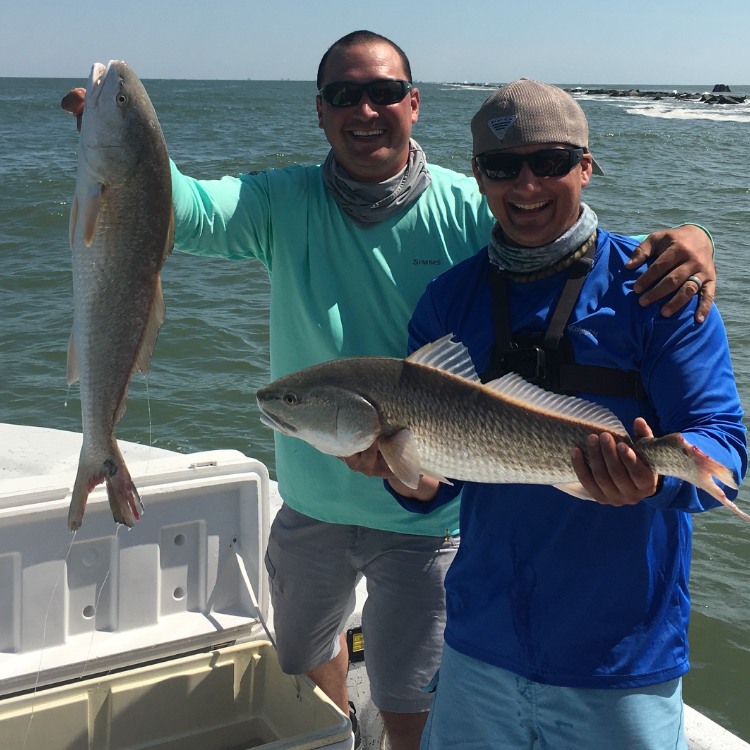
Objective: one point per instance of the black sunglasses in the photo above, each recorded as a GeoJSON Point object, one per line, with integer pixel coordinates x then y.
{"type": "Point", "coordinates": [348, 94]}
{"type": "Point", "coordinates": [548, 162]}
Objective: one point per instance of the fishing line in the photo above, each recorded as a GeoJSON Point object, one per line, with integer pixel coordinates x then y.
{"type": "Point", "coordinates": [44, 637]}
{"type": "Point", "coordinates": [148, 406]}
{"type": "Point", "coordinates": [96, 606]}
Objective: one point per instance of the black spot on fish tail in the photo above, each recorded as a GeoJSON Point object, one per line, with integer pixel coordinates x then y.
{"type": "Point", "coordinates": [111, 467]}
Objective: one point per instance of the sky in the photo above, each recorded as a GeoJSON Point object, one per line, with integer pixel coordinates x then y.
{"type": "Point", "coordinates": [563, 41]}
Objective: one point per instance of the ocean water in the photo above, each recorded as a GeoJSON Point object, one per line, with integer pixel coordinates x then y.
{"type": "Point", "coordinates": [666, 162]}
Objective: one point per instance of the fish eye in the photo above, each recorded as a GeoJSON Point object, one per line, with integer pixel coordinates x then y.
{"type": "Point", "coordinates": [122, 100]}
{"type": "Point", "coordinates": [290, 399]}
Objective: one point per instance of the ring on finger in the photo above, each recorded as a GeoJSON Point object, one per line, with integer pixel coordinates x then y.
{"type": "Point", "coordinates": [697, 281]}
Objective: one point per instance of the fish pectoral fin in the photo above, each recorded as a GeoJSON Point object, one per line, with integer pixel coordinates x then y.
{"type": "Point", "coordinates": [574, 488]}
{"type": "Point", "coordinates": [151, 332]}
{"type": "Point", "coordinates": [401, 453]}
{"type": "Point", "coordinates": [73, 368]}
{"type": "Point", "coordinates": [73, 220]}
{"type": "Point", "coordinates": [435, 475]}
{"type": "Point", "coordinates": [91, 204]}
{"type": "Point", "coordinates": [448, 356]}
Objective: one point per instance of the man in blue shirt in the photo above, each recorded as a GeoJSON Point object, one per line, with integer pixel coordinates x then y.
{"type": "Point", "coordinates": [567, 619]}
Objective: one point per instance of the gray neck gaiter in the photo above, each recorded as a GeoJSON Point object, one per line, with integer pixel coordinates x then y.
{"type": "Point", "coordinates": [529, 259]}
{"type": "Point", "coordinates": [368, 203]}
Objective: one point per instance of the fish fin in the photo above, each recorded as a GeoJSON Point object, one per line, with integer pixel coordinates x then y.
{"type": "Point", "coordinates": [91, 205]}
{"type": "Point", "coordinates": [448, 356]}
{"type": "Point", "coordinates": [574, 488]}
{"type": "Point", "coordinates": [74, 370]}
{"type": "Point", "coordinates": [513, 387]}
{"type": "Point", "coordinates": [124, 500]}
{"type": "Point", "coordinates": [73, 220]}
{"type": "Point", "coordinates": [123, 496]}
{"type": "Point", "coordinates": [151, 332]}
{"type": "Point", "coordinates": [401, 453]}
{"type": "Point", "coordinates": [435, 475]}
{"type": "Point", "coordinates": [121, 407]}
{"type": "Point", "coordinates": [705, 468]}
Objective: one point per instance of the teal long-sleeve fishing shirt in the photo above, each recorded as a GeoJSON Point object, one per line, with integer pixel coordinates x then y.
{"type": "Point", "coordinates": [336, 291]}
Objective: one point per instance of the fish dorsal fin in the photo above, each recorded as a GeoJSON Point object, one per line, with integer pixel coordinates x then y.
{"type": "Point", "coordinates": [92, 202]}
{"type": "Point", "coordinates": [155, 320]}
{"type": "Point", "coordinates": [74, 370]}
{"type": "Point", "coordinates": [513, 386]}
{"type": "Point", "coordinates": [446, 355]}
{"type": "Point", "coordinates": [401, 453]}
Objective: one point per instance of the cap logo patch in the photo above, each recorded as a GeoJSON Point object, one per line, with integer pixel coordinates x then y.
{"type": "Point", "coordinates": [499, 126]}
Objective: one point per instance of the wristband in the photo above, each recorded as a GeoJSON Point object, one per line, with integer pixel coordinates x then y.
{"type": "Point", "coordinates": [700, 226]}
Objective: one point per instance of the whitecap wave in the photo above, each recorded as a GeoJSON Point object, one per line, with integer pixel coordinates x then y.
{"type": "Point", "coordinates": [669, 109]}
{"type": "Point", "coordinates": [715, 112]}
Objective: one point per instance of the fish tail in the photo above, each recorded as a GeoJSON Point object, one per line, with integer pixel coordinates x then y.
{"type": "Point", "coordinates": [700, 470]}
{"type": "Point", "coordinates": [124, 500]}
{"type": "Point", "coordinates": [86, 479]}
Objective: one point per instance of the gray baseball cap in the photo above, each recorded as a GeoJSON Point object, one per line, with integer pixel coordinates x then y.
{"type": "Point", "coordinates": [526, 112]}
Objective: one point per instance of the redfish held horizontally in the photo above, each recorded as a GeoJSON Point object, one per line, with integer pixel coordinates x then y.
{"type": "Point", "coordinates": [430, 415]}
{"type": "Point", "coordinates": [121, 231]}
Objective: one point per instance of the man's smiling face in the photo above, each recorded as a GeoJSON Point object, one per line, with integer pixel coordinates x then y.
{"type": "Point", "coordinates": [534, 211]}
{"type": "Point", "coordinates": [370, 141]}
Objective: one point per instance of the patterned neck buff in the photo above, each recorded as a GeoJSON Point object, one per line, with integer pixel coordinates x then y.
{"type": "Point", "coordinates": [530, 259]}
{"type": "Point", "coordinates": [368, 203]}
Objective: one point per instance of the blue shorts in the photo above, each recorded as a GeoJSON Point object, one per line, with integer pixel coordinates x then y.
{"type": "Point", "coordinates": [479, 707]}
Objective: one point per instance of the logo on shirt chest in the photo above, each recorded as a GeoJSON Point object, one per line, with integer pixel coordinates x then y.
{"type": "Point", "coordinates": [583, 331]}
{"type": "Point", "coordinates": [426, 262]}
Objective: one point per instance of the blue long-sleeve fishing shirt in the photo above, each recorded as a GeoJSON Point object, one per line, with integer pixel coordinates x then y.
{"type": "Point", "coordinates": [566, 591]}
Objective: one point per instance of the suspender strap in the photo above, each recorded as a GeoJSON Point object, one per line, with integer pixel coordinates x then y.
{"type": "Point", "coordinates": [501, 314]}
{"type": "Point", "coordinates": [569, 295]}
{"type": "Point", "coordinates": [600, 381]}
{"type": "Point", "coordinates": [568, 378]}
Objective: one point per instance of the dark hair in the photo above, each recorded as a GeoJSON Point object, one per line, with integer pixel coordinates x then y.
{"type": "Point", "coordinates": [362, 37]}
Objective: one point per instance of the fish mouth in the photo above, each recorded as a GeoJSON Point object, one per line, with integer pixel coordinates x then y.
{"type": "Point", "coordinates": [96, 82]}
{"type": "Point", "coordinates": [269, 419]}
{"type": "Point", "coordinates": [97, 79]}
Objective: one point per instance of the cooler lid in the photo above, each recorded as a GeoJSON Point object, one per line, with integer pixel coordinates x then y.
{"type": "Point", "coordinates": [106, 597]}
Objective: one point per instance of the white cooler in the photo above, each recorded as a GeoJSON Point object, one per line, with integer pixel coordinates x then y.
{"type": "Point", "coordinates": [148, 637]}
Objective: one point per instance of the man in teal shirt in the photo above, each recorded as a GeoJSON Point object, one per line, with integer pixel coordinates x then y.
{"type": "Point", "coordinates": [350, 246]}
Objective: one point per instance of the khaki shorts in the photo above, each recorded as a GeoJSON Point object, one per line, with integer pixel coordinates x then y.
{"type": "Point", "coordinates": [313, 568]}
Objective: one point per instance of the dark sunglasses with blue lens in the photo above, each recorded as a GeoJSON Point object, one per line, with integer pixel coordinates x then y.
{"type": "Point", "coordinates": [348, 94]}
{"type": "Point", "coordinates": [547, 162]}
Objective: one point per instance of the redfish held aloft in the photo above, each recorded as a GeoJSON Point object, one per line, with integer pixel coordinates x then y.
{"type": "Point", "coordinates": [121, 231]}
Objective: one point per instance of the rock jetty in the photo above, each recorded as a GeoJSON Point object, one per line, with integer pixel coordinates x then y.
{"type": "Point", "coordinates": [715, 97]}
{"type": "Point", "coordinates": [697, 96]}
